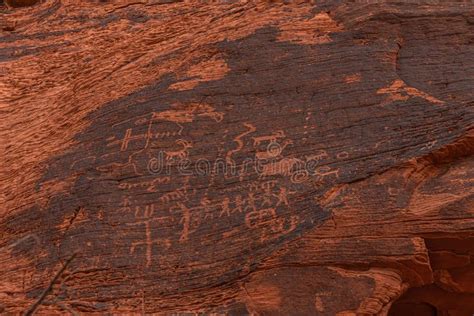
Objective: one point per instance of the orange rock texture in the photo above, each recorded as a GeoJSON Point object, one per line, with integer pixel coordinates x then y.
{"type": "Point", "coordinates": [236, 158]}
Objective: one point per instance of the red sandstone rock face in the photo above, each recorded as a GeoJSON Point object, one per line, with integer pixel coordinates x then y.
{"type": "Point", "coordinates": [267, 159]}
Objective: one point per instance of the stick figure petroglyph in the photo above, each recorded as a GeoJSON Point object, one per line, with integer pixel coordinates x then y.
{"type": "Point", "coordinates": [284, 167]}
{"type": "Point", "coordinates": [282, 197]}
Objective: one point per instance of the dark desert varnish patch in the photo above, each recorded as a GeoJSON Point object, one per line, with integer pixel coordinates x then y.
{"type": "Point", "coordinates": [19, 3]}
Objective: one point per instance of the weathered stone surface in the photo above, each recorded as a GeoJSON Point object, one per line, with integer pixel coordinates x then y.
{"type": "Point", "coordinates": [237, 158]}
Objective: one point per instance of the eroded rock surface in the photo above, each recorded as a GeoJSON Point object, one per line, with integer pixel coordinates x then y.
{"type": "Point", "coordinates": [274, 159]}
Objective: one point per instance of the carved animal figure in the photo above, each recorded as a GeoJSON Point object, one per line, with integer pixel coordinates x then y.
{"type": "Point", "coordinates": [318, 156]}
{"type": "Point", "coordinates": [179, 154]}
{"type": "Point", "coordinates": [270, 138]}
{"type": "Point", "coordinates": [273, 150]}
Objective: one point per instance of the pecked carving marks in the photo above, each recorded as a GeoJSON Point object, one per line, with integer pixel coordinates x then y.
{"type": "Point", "coordinates": [218, 225]}
{"type": "Point", "coordinates": [238, 139]}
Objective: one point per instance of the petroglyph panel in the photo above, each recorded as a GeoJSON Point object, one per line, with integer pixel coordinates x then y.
{"type": "Point", "coordinates": [218, 176]}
